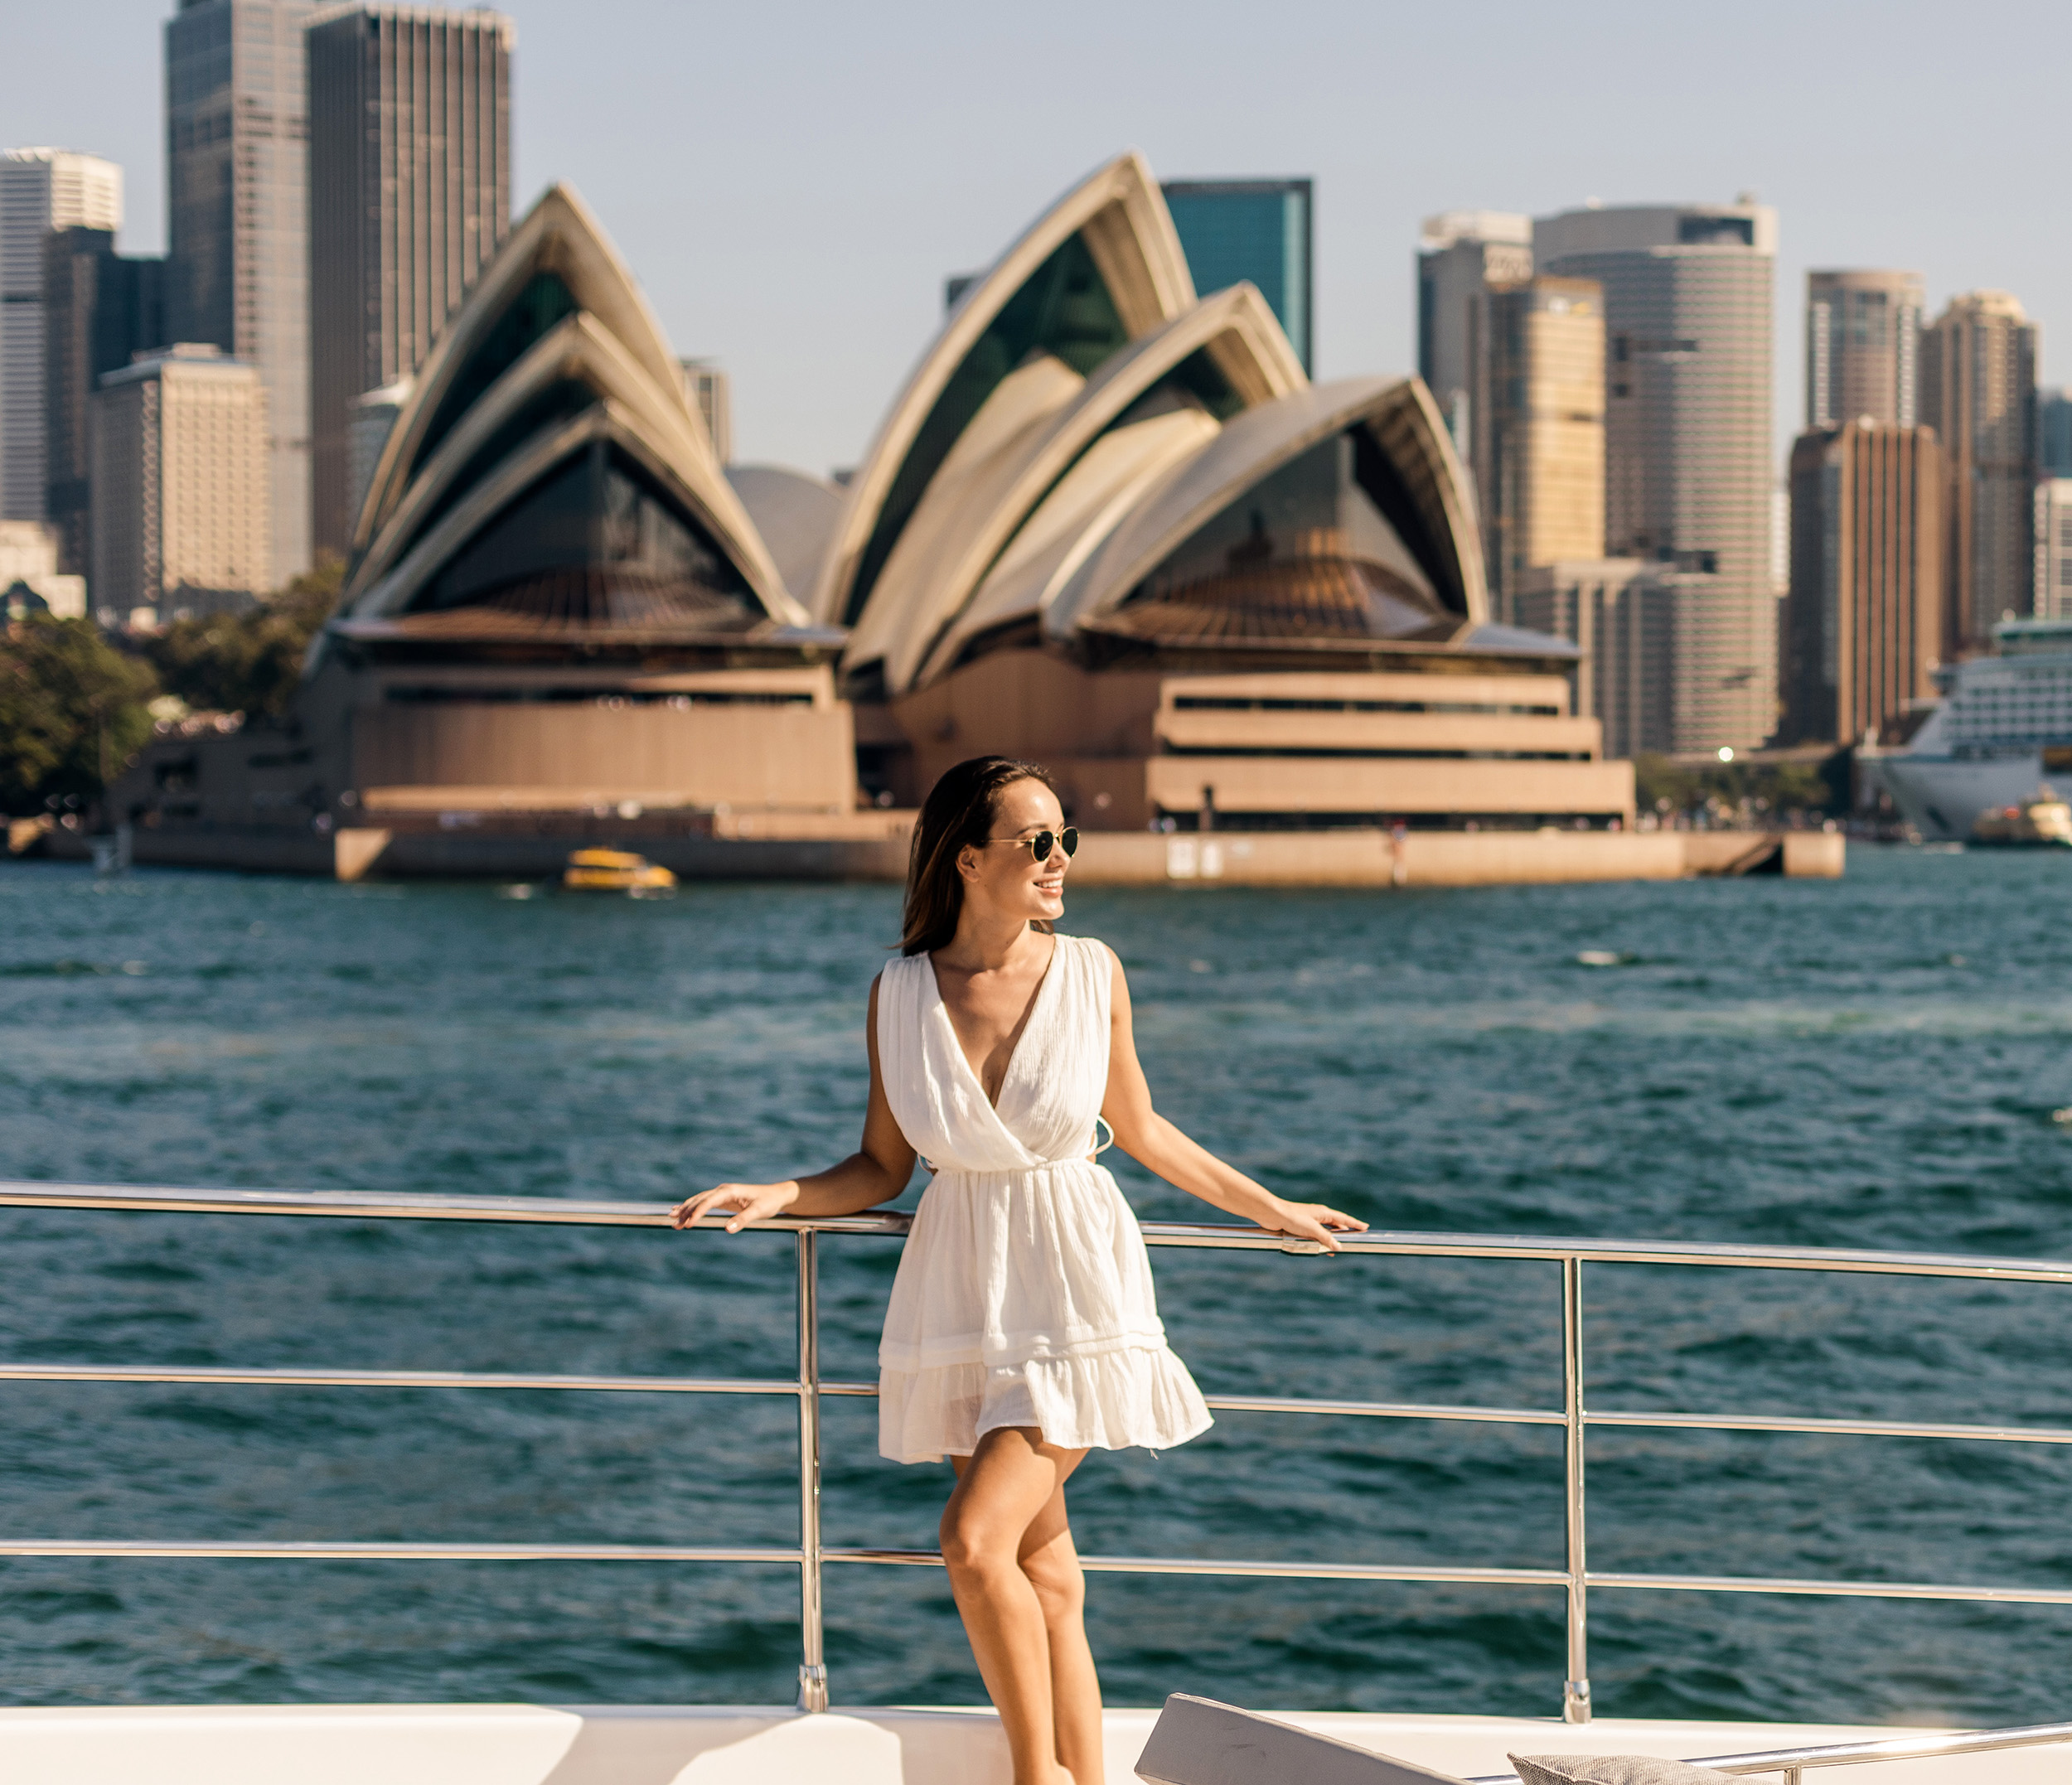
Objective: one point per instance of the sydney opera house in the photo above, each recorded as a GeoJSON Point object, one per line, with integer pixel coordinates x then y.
{"type": "Point", "coordinates": [1107, 522]}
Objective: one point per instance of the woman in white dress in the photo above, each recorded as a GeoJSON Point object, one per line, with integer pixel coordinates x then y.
{"type": "Point", "coordinates": [1022, 1331]}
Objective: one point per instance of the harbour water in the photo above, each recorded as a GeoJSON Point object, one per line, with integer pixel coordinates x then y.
{"type": "Point", "coordinates": [1876, 1062]}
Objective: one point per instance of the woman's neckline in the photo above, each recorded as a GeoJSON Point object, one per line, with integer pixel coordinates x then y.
{"type": "Point", "coordinates": [1021, 1034]}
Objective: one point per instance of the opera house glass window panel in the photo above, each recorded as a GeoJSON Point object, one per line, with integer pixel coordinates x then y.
{"type": "Point", "coordinates": [1307, 552]}
{"type": "Point", "coordinates": [595, 541]}
{"type": "Point", "coordinates": [1064, 309]}
{"type": "Point", "coordinates": [543, 301]}
{"type": "Point", "coordinates": [561, 401]}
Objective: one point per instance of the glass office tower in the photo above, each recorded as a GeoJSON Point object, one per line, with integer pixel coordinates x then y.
{"type": "Point", "coordinates": [237, 180]}
{"type": "Point", "coordinates": [1256, 230]}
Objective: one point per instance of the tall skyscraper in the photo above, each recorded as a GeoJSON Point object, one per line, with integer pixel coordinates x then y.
{"type": "Point", "coordinates": [1543, 495]}
{"type": "Point", "coordinates": [1263, 230]}
{"type": "Point", "coordinates": [180, 480]}
{"type": "Point", "coordinates": [409, 169]}
{"type": "Point", "coordinates": [1862, 334]}
{"type": "Point", "coordinates": [40, 190]}
{"type": "Point", "coordinates": [2054, 549]}
{"type": "Point", "coordinates": [237, 192]}
{"type": "Point", "coordinates": [1632, 621]}
{"type": "Point", "coordinates": [100, 309]}
{"type": "Point", "coordinates": [1863, 623]}
{"type": "Point", "coordinates": [2054, 432]}
{"type": "Point", "coordinates": [1688, 308]}
{"type": "Point", "coordinates": [1978, 393]}
{"type": "Point", "coordinates": [1462, 256]}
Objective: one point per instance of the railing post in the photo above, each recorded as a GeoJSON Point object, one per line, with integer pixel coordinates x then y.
{"type": "Point", "coordinates": [812, 1664]}
{"type": "Point", "coordinates": [1575, 1689]}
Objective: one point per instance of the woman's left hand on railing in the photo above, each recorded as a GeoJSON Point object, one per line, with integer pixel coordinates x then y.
{"type": "Point", "coordinates": [1318, 1222]}
{"type": "Point", "coordinates": [749, 1201]}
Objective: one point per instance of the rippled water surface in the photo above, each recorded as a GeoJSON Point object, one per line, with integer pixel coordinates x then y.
{"type": "Point", "coordinates": [1876, 1062]}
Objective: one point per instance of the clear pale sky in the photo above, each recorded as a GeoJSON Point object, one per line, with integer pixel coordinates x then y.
{"type": "Point", "coordinates": [791, 182]}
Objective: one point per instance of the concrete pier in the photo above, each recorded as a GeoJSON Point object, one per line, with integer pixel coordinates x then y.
{"type": "Point", "coordinates": [492, 844]}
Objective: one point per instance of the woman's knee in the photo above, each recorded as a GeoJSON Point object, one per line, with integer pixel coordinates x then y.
{"type": "Point", "coordinates": [968, 1543]}
{"type": "Point", "coordinates": [1059, 1581]}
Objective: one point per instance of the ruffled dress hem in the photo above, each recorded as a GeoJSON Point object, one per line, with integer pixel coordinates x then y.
{"type": "Point", "coordinates": [1141, 1396]}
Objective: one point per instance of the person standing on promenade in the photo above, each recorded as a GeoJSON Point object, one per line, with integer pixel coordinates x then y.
{"type": "Point", "coordinates": [1022, 1331]}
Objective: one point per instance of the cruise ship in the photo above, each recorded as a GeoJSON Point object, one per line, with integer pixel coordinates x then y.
{"type": "Point", "coordinates": [2002, 729]}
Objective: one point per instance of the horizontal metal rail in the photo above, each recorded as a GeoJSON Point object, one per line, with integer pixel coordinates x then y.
{"type": "Point", "coordinates": [1833, 1589]}
{"type": "Point", "coordinates": [261, 1550]}
{"type": "Point", "coordinates": [808, 1387]}
{"type": "Point", "coordinates": [208, 1376]}
{"type": "Point", "coordinates": [296, 1376]}
{"type": "Point", "coordinates": [1240, 1570]}
{"type": "Point", "coordinates": [560, 1212]}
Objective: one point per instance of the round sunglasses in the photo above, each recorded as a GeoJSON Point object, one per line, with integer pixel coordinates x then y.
{"type": "Point", "coordinates": [1043, 840]}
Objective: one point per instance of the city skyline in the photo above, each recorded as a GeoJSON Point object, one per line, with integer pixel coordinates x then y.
{"type": "Point", "coordinates": [856, 282]}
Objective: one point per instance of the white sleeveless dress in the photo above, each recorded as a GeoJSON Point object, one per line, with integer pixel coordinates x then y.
{"type": "Point", "coordinates": [1024, 1296]}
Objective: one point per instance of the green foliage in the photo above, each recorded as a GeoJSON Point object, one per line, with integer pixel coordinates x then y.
{"type": "Point", "coordinates": [72, 711]}
{"type": "Point", "coordinates": [1766, 788]}
{"type": "Point", "coordinates": [249, 662]}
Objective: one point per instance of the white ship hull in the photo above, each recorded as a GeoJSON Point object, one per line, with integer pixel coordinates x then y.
{"type": "Point", "coordinates": [1942, 796]}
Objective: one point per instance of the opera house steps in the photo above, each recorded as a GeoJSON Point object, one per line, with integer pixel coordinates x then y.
{"type": "Point", "coordinates": [1107, 523]}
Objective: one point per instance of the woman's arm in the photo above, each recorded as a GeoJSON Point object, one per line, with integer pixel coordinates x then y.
{"type": "Point", "coordinates": [876, 1173]}
{"type": "Point", "coordinates": [1154, 1143]}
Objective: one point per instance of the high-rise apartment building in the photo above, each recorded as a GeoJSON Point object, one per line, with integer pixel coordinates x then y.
{"type": "Point", "coordinates": [237, 200]}
{"type": "Point", "coordinates": [2054, 432]}
{"type": "Point", "coordinates": [1462, 256]}
{"type": "Point", "coordinates": [1634, 621]}
{"type": "Point", "coordinates": [100, 309]}
{"type": "Point", "coordinates": [409, 170]}
{"type": "Point", "coordinates": [1263, 230]}
{"type": "Point", "coordinates": [1688, 309]}
{"type": "Point", "coordinates": [1543, 495]}
{"type": "Point", "coordinates": [181, 478]}
{"type": "Point", "coordinates": [1863, 623]}
{"type": "Point", "coordinates": [40, 190]}
{"type": "Point", "coordinates": [1978, 393]}
{"type": "Point", "coordinates": [1862, 334]}
{"type": "Point", "coordinates": [2054, 549]}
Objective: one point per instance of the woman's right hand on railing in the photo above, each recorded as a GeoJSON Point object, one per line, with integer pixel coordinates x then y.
{"type": "Point", "coordinates": [749, 1201]}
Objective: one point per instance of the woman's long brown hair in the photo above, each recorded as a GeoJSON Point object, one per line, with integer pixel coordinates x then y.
{"type": "Point", "coordinates": [958, 813]}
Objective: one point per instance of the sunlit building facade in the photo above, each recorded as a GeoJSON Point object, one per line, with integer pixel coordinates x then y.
{"type": "Point", "coordinates": [40, 190]}
{"type": "Point", "coordinates": [1978, 393]}
{"type": "Point", "coordinates": [409, 171]}
{"type": "Point", "coordinates": [237, 220]}
{"type": "Point", "coordinates": [1688, 293]}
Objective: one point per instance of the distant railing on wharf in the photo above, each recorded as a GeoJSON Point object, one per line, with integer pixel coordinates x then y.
{"type": "Point", "coordinates": [807, 1386]}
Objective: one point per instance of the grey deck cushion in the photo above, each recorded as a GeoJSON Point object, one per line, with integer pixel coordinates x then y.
{"type": "Point", "coordinates": [1613, 1769]}
{"type": "Point", "coordinates": [1197, 1741]}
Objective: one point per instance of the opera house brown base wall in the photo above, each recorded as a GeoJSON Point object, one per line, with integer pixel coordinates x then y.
{"type": "Point", "coordinates": [1131, 747]}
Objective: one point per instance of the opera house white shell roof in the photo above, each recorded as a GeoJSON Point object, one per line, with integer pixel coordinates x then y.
{"type": "Point", "coordinates": [549, 478]}
{"type": "Point", "coordinates": [1091, 457]}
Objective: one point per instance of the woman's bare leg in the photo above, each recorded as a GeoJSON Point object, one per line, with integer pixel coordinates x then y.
{"type": "Point", "coordinates": [1019, 1597]}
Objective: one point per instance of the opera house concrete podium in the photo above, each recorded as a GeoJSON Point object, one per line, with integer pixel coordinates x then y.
{"type": "Point", "coordinates": [1107, 524]}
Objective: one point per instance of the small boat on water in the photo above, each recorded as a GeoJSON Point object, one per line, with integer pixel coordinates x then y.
{"type": "Point", "coordinates": [616, 871]}
{"type": "Point", "coordinates": [2044, 823]}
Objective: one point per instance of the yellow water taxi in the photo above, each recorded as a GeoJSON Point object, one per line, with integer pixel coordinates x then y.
{"type": "Point", "coordinates": [2045, 822]}
{"type": "Point", "coordinates": [616, 871]}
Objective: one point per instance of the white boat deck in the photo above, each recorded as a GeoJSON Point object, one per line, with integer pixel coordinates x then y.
{"type": "Point", "coordinates": [533, 1744]}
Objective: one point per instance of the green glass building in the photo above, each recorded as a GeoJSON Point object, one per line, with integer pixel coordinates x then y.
{"type": "Point", "coordinates": [1256, 230]}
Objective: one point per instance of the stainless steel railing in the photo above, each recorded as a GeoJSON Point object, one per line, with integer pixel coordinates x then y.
{"type": "Point", "coordinates": [810, 1555]}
